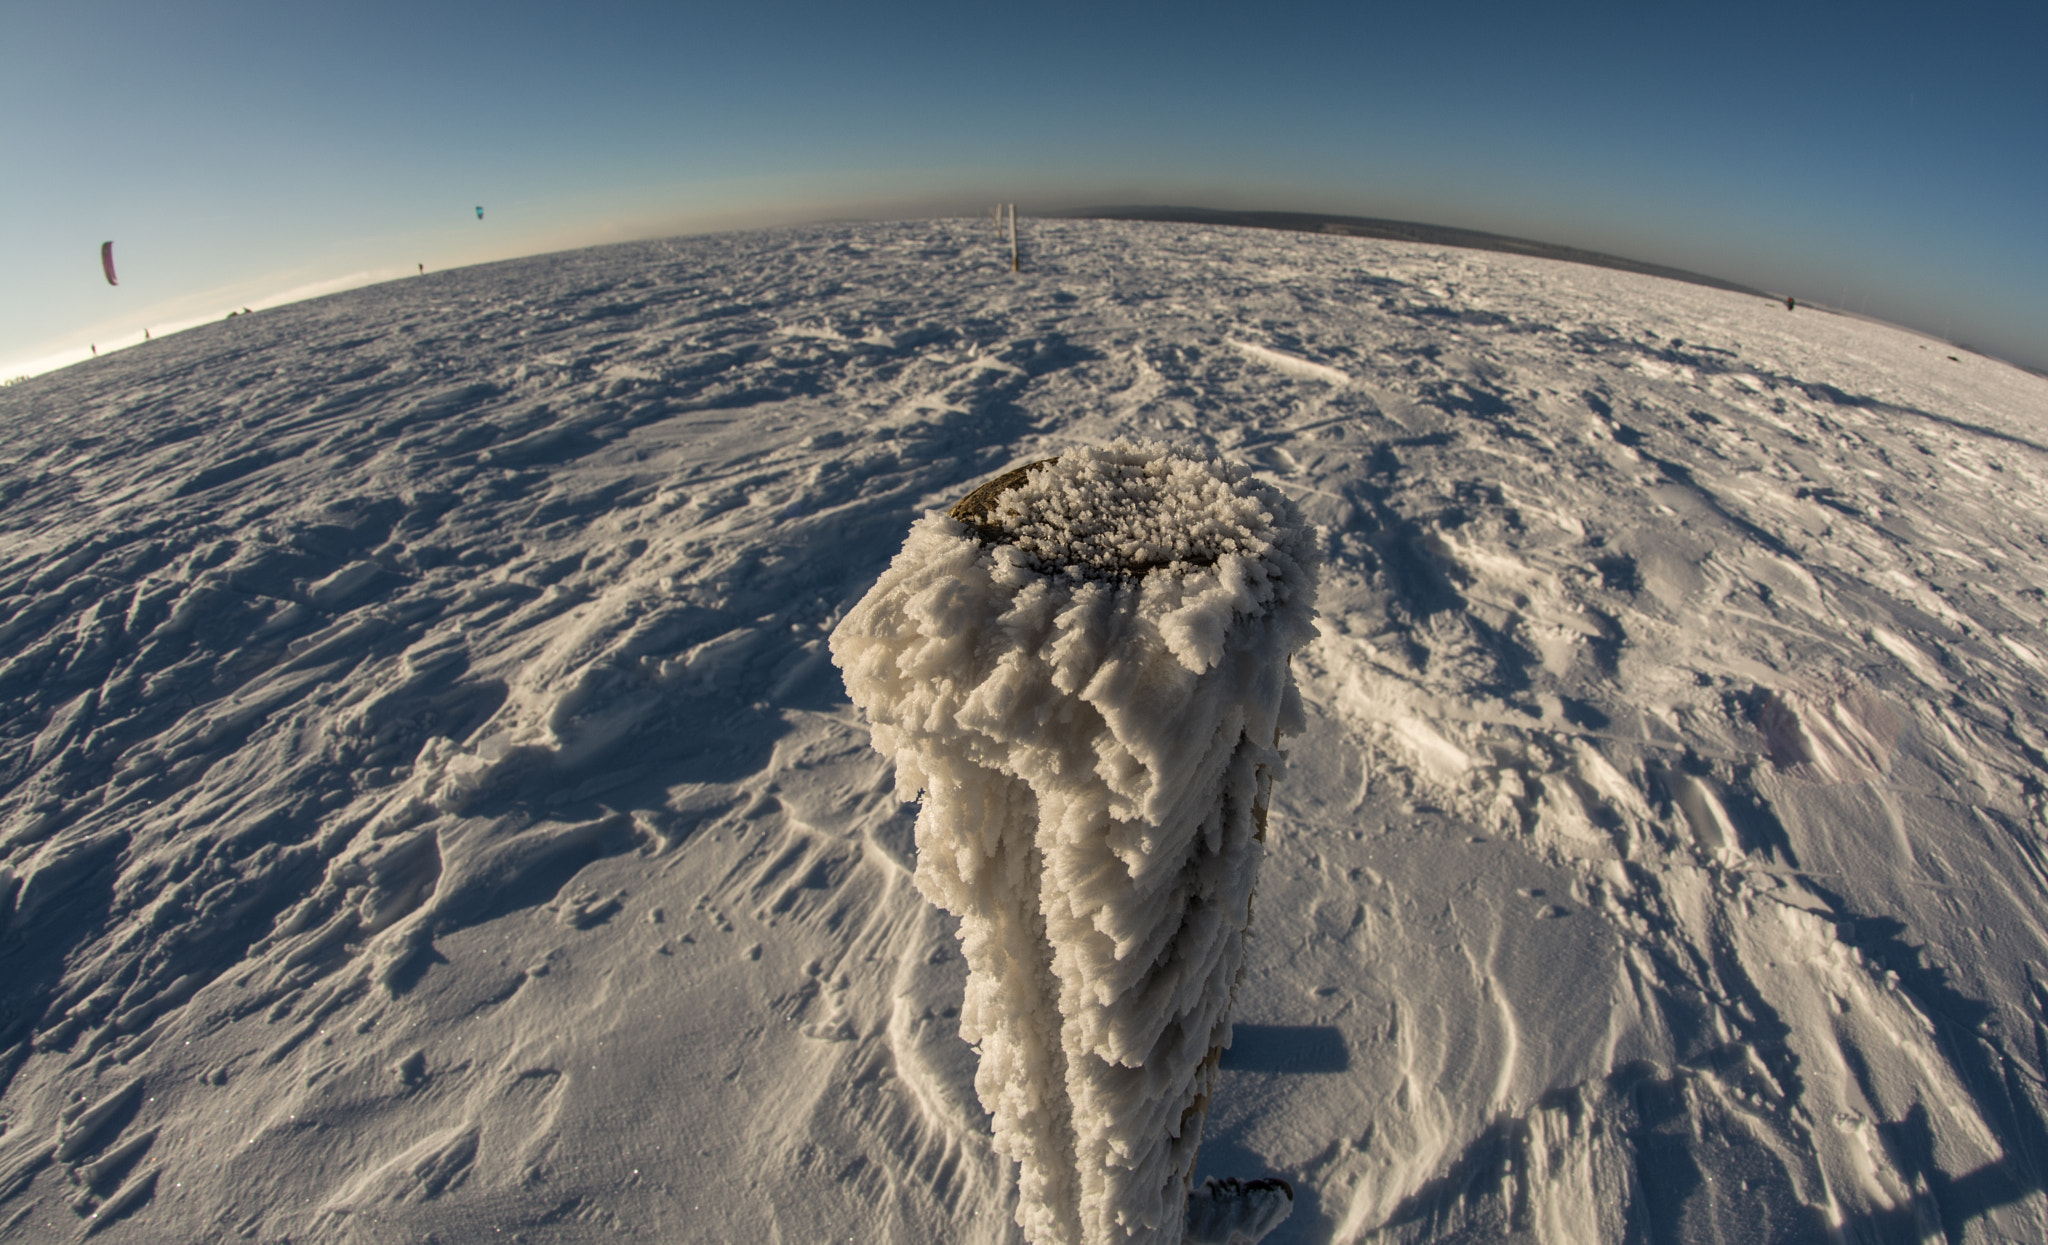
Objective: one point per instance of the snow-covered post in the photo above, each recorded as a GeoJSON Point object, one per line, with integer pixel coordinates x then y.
{"type": "Point", "coordinates": [1083, 670]}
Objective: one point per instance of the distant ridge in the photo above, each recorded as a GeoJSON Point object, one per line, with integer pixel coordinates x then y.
{"type": "Point", "coordinates": [1400, 231]}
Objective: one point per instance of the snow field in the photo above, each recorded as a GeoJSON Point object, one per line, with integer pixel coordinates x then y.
{"type": "Point", "coordinates": [429, 806]}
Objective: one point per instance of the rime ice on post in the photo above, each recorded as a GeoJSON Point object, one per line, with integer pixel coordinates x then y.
{"type": "Point", "coordinates": [1084, 668]}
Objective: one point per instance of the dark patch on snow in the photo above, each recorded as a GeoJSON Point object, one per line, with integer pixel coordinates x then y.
{"type": "Point", "coordinates": [1302, 1049]}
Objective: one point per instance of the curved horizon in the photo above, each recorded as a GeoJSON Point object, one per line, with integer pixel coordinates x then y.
{"type": "Point", "coordinates": [1422, 232]}
{"type": "Point", "coordinates": [236, 152]}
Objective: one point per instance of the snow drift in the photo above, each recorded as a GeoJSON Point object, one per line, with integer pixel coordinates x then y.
{"type": "Point", "coordinates": [1085, 685]}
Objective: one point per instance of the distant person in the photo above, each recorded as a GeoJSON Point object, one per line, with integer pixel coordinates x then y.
{"type": "Point", "coordinates": [145, 334]}
{"type": "Point", "coordinates": [423, 270]}
{"type": "Point", "coordinates": [95, 351]}
{"type": "Point", "coordinates": [1788, 302]}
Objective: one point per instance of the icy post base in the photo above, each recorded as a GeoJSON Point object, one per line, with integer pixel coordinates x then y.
{"type": "Point", "coordinates": [1085, 671]}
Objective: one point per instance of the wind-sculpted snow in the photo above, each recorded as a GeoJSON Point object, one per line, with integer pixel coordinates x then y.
{"type": "Point", "coordinates": [1091, 728]}
{"type": "Point", "coordinates": [427, 804]}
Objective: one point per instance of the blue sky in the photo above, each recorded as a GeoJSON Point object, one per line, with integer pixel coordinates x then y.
{"type": "Point", "coordinates": [1888, 158]}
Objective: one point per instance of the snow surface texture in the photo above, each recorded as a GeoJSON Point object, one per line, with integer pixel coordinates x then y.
{"type": "Point", "coordinates": [1237, 1212]}
{"type": "Point", "coordinates": [428, 805]}
{"type": "Point", "coordinates": [1088, 707]}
